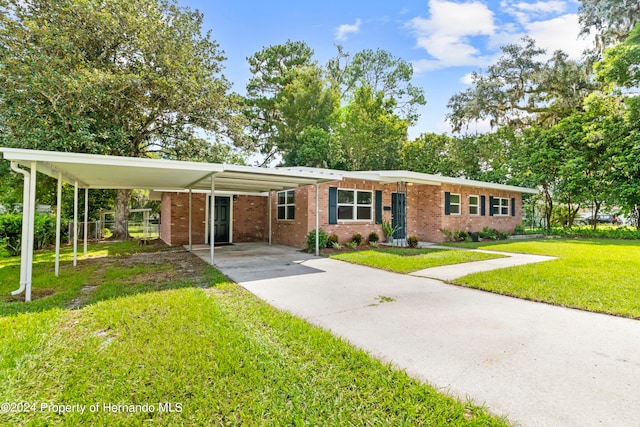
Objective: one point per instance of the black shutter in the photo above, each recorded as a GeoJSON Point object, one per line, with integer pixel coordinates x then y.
{"type": "Point", "coordinates": [513, 206]}
{"type": "Point", "coordinates": [333, 205]}
{"type": "Point", "coordinates": [378, 206]}
{"type": "Point", "coordinates": [447, 203]}
{"type": "Point", "coordinates": [483, 205]}
{"type": "Point", "coordinates": [491, 205]}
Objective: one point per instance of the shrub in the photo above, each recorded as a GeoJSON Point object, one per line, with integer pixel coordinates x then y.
{"type": "Point", "coordinates": [332, 240]}
{"type": "Point", "coordinates": [519, 230]}
{"type": "Point", "coordinates": [460, 235]}
{"type": "Point", "coordinates": [412, 242]}
{"type": "Point", "coordinates": [448, 234]}
{"type": "Point", "coordinates": [351, 244]}
{"type": "Point", "coordinates": [604, 233]}
{"type": "Point", "coordinates": [44, 232]}
{"type": "Point", "coordinates": [455, 235]}
{"type": "Point", "coordinates": [357, 238]}
{"type": "Point", "coordinates": [311, 240]}
{"type": "Point", "coordinates": [336, 245]}
{"type": "Point", "coordinates": [373, 244]}
{"type": "Point", "coordinates": [388, 229]}
{"type": "Point", "coordinates": [373, 237]}
{"type": "Point", "coordinates": [493, 234]}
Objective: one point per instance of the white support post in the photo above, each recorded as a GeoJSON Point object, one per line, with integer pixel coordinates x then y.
{"type": "Point", "coordinates": [206, 220]}
{"type": "Point", "coordinates": [317, 224]}
{"type": "Point", "coordinates": [270, 218]}
{"type": "Point", "coordinates": [75, 223]}
{"type": "Point", "coordinates": [86, 218]}
{"type": "Point", "coordinates": [190, 220]}
{"type": "Point", "coordinates": [58, 217]}
{"type": "Point", "coordinates": [212, 227]}
{"type": "Point", "coordinates": [31, 231]}
{"type": "Point", "coordinates": [24, 259]}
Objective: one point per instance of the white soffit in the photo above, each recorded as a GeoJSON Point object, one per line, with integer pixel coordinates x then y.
{"type": "Point", "coordinates": [114, 172]}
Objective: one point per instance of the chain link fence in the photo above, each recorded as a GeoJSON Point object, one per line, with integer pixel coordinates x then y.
{"type": "Point", "coordinates": [100, 230]}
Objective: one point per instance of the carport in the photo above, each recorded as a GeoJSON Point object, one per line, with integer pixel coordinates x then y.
{"type": "Point", "coordinates": [90, 171]}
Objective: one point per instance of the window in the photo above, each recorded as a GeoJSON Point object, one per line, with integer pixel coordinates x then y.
{"type": "Point", "coordinates": [286, 205]}
{"type": "Point", "coordinates": [474, 205]}
{"type": "Point", "coordinates": [454, 204]}
{"type": "Point", "coordinates": [500, 206]}
{"type": "Point", "coordinates": [355, 205]}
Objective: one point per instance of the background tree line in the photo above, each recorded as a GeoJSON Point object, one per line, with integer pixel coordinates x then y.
{"type": "Point", "coordinates": [141, 78]}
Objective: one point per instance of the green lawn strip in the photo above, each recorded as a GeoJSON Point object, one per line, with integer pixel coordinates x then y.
{"type": "Point", "coordinates": [401, 260]}
{"type": "Point", "coordinates": [596, 275]}
{"type": "Point", "coordinates": [227, 357]}
{"type": "Point", "coordinates": [49, 291]}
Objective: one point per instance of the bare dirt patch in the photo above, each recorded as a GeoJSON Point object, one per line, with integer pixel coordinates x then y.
{"type": "Point", "coordinates": [166, 265]}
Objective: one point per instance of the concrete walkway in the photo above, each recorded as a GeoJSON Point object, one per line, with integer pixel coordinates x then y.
{"type": "Point", "coordinates": [537, 364]}
{"type": "Point", "coordinates": [448, 272]}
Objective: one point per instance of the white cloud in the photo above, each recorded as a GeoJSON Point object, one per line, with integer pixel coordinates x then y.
{"type": "Point", "coordinates": [526, 12]}
{"type": "Point", "coordinates": [447, 34]}
{"type": "Point", "coordinates": [343, 30]}
{"type": "Point", "coordinates": [560, 33]}
{"type": "Point", "coordinates": [469, 34]}
{"type": "Point", "coordinates": [467, 79]}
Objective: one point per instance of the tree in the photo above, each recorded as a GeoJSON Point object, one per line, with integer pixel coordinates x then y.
{"type": "Point", "coordinates": [521, 89]}
{"type": "Point", "coordinates": [611, 20]}
{"type": "Point", "coordinates": [385, 74]}
{"type": "Point", "coordinates": [370, 134]}
{"type": "Point", "coordinates": [620, 71]}
{"type": "Point", "coordinates": [133, 78]}
{"type": "Point", "coordinates": [273, 68]}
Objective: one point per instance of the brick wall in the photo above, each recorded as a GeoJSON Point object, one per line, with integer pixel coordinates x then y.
{"type": "Point", "coordinates": [174, 211]}
{"type": "Point", "coordinates": [292, 232]}
{"type": "Point", "coordinates": [468, 222]}
{"type": "Point", "coordinates": [250, 219]}
{"type": "Point", "coordinates": [425, 214]}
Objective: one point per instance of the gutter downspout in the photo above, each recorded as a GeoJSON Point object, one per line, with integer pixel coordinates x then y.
{"type": "Point", "coordinates": [25, 219]}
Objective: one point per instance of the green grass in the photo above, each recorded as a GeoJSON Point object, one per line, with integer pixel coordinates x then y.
{"type": "Point", "coordinates": [404, 260]}
{"type": "Point", "coordinates": [220, 354]}
{"type": "Point", "coordinates": [49, 291]}
{"type": "Point", "coordinates": [596, 275]}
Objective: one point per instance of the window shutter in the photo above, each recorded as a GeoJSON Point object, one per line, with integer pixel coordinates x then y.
{"type": "Point", "coordinates": [483, 205]}
{"type": "Point", "coordinates": [447, 203]}
{"type": "Point", "coordinates": [513, 206]}
{"type": "Point", "coordinates": [378, 207]}
{"type": "Point", "coordinates": [333, 205]}
{"type": "Point", "coordinates": [491, 205]}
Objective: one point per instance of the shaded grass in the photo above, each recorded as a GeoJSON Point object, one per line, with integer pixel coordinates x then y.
{"type": "Point", "coordinates": [49, 291]}
{"type": "Point", "coordinates": [403, 260]}
{"type": "Point", "coordinates": [596, 275]}
{"type": "Point", "coordinates": [220, 355]}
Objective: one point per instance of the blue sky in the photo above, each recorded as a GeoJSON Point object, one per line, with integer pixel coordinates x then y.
{"type": "Point", "coordinates": [445, 40]}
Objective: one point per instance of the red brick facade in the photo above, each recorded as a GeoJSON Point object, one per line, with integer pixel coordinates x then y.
{"type": "Point", "coordinates": [425, 214]}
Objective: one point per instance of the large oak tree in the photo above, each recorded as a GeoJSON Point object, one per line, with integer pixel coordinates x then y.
{"type": "Point", "coordinates": [122, 77]}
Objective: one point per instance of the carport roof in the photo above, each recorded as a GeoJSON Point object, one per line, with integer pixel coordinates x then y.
{"type": "Point", "coordinates": [114, 172]}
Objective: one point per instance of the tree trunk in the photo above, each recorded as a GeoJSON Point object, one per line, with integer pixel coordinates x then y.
{"type": "Point", "coordinates": [120, 228]}
{"type": "Point", "coordinates": [594, 219]}
{"type": "Point", "coordinates": [548, 208]}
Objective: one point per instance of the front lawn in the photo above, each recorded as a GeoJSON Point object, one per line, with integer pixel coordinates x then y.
{"type": "Point", "coordinates": [190, 349]}
{"type": "Point", "coordinates": [595, 275]}
{"type": "Point", "coordinates": [405, 260]}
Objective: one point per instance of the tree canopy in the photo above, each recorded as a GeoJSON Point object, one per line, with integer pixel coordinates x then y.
{"type": "Point", "coordinates": [125, 77]}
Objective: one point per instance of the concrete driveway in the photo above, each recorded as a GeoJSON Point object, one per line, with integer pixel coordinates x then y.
{"type": "Point", "coordinates": [537, 364]}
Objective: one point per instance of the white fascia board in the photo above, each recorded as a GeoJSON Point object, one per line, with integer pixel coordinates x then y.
{"type": "Point", "coordinates": [218, 193]}
{"type": "Point", "coordinates": [430, 179]}
{"type": "Point", "coordinates": [98, 159]}
{"type": "Point", "coordinates": [311, 174]}
{"type": "Point", "coordinates": [491, 185]}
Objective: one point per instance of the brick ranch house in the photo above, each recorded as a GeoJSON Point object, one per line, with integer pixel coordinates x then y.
{"type": "Point", "coordinates": [417, 204]}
